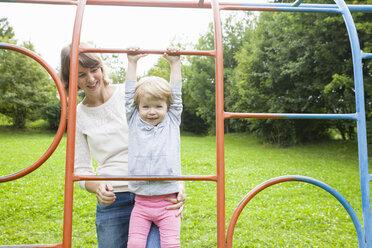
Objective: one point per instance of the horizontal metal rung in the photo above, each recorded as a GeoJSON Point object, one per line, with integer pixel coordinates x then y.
{"type": "Point", "coordinates": [366, 55]}
{"type": "Point", "coordinates": [145, 51]}
{"type": "Point", "coordinates": [147, 178]}
{"type": "Point", "coordinates": [151, 3]}
{"type": "Point", "coordinates": [332, 8]}
{"type": "Point", "coordinates": [60, 2]}
{"type": "Point", "coordinates": [34, 246]}
{"type": "Point", "coordinates": [283, 9]}
{"type": "Point", "coordinates": [196, 4]}
{"type": "Point", "coordinates": [229, 115]}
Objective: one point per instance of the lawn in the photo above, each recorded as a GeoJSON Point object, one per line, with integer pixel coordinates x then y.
{"type": "Point", "coordinates": [291, 214]}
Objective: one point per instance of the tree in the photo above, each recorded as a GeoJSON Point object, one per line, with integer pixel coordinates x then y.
{"type": "Point", "coordinates": [6, 32]}
{"type": "Point", "coordinates": [199, 86]}
{"type": "Point", "coordinates": [291, 64]}
{"type": "Point", "coordinates": [161, 69]}
{"type": "Point", "coordinates": [24, 84]}
{"type": "Point", "coordinates": [115, 65]}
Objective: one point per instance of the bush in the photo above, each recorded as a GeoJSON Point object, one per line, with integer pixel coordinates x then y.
{"type": "Point", "coordinates": [193, 123]}
{"type": "Point", "coordinates": [52, 113]}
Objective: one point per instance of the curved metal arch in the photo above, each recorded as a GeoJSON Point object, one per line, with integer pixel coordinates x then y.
{"type": "Point", "coordinates": [62, 121]}
{"type": "Point", "coordinates": [273, 181]}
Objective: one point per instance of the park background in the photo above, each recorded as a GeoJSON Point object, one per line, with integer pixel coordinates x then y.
{"type": "Point", "coordinates": [274, 63]}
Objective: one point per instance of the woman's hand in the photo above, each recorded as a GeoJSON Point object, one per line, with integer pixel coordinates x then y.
{"type": "Point", "coordinates": [179, 202]}
{"type": "Point", "coordinates": [105, 193]}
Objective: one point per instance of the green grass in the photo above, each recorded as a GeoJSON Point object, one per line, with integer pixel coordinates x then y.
{"type": "Point", "coordinates": [290, 214]}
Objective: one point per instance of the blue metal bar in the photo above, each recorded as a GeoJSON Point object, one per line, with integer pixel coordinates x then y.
{"type": "Point", "coordinates": [229, 115]}
{"type": "Point", "coordinates": [281, 8]}
{"type": "Point", "coordinates": [306, 9]}
{"type": "Point", "coordinates": [291, 178]}
{"type": "Point", "coordinates": [366, 55]}
{"type": "Point", "coordinates": [352, 8]}
{"type": "Point", "coordinates": [361, 122]}
{"type": "Point", "coordinates": [342, 200]}
{"type": "Point", "coordinates": [320, 116]}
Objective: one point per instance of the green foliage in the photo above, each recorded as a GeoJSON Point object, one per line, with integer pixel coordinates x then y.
{"type": "Point", "coordinates": [199, 87]}
{"type": "Point", "coordinates": [24, 84]}
{"type": "Point", "coordinates": [6, 32]}
{"type": "Point", "coordinates": [282, 63]}
{"type": "Point", "coordinates": [193, 123]}
{"type": "Point", "coordinates": [161, 69]}
{"type": "Point", "coordinates": [5, 120]}
{"type": "Point", "coordinates": [292, 63]}
{"type": "Point", "coordinates": [115, 66]}
{"type": "Point", "coordinates": [52, 113]}
{"type": "Point", "coordinates": [280, 216]}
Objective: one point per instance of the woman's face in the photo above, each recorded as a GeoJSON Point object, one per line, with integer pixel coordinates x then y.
{"type": "Point", "coordinates": [90, 80]}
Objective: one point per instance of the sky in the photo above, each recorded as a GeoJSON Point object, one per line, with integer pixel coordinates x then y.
{"type": "Point", "coordinates": [50, 27]}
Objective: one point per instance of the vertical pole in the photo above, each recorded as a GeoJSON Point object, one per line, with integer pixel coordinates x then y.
{"type": "Point", "coordinates": [70, 150]}
{"type": "Point", "coordinates": [361, 123]}
{"type": "Point", "coordinates": [221, 243]}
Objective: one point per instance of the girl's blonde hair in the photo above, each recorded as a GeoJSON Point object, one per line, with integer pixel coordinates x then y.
{"type": "Point", "coordinates": [153, 87]}
{"type": "Point", "coordinates": [86, 60]}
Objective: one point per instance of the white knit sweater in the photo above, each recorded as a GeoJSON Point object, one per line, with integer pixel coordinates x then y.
{"type": "Point", "coordinates": [102, 133]}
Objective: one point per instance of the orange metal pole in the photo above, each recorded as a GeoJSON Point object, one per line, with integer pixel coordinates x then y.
{"type": "Point", "coordinates": [70, 150]}
{"type": "Point", "coordinates": [150, 3]}
{"type": "Point", "coordinates": [60, 2]}
{"type": "Point", "coordinates": [149, 178]}
{"type": "Point", "coordinates": [32, 246]}
{"type": "Point", "coordinates": [219, 127]}
{"type": "Point", "coordinates": [145, 51]}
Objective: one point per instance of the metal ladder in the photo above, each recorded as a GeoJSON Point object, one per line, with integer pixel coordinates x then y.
{"type": "Point", "coordinates": [223, 239]}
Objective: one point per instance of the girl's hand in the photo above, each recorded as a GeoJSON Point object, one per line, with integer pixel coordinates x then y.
{"type": "Point", "coordinates": [172, 58]}
{"type": "Point", "coordinates": [133, 57]}
{"type": "Point", "coordinates": [105, 193]}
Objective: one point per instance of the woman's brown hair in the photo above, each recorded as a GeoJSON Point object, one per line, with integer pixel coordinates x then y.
{"type": "Point", "coordinates": [86, 60]}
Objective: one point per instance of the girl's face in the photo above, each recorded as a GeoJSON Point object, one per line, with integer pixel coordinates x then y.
{"type": "Point", "coordinates": [152, 111]}
{"type": "Point", "coordinates": [90, 80]}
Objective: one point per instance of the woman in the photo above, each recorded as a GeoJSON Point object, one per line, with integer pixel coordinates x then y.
{"type": "Point", "coordinates": [102, 133]}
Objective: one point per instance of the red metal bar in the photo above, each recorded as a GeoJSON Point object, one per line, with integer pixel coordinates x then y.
{"type": "Point", "coordinates": [60, 2]}
{"type": "Point", "coordinates": [145, 51]}
{"type": "Point", "coordinates": [198, 4]}
{"type": "Point", "coordinates": [219, 126]}
{"type": "Point", "coordinates": [149, 178]}
{"type": "Point", "coordinates": [33, 246]}
{"type": "Point", "coordinates": [62, 121]}
{"type": "Point", "coordinates": [247, 8]}
{"type": "Point", "coordinates": [70, 150]}
{"type": "Point", "coordinates": [149, 3]}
